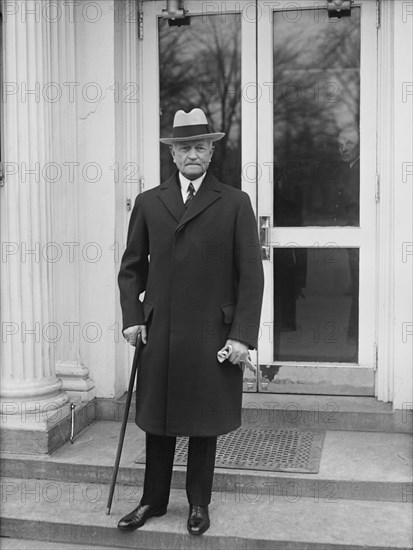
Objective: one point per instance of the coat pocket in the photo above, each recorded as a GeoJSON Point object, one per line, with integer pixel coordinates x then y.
{"type": "Point", "coordinates": [147, 311]}
{"type": "Point", "coordinates": [228, 311]}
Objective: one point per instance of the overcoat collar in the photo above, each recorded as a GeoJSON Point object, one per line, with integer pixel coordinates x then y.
{"type": "Point", "coordinates": [170, 194]}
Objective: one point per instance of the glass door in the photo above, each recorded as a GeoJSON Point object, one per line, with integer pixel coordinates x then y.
{"type": "Point", "coordinates": [316, 199]}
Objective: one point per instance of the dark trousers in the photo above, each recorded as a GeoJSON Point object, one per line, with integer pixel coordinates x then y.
{"type": "Point", "coordinates": [160, 452]}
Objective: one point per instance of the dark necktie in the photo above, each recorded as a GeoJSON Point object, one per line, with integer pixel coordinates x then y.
{"type": "Point", "coordinates": [190, 195]}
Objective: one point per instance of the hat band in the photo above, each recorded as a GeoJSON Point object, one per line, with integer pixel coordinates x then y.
{"type": "Point", "coordinates": [189, 131]}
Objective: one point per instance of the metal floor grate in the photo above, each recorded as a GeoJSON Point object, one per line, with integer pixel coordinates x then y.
{"type": "Point", "coordinates": [283, 450]}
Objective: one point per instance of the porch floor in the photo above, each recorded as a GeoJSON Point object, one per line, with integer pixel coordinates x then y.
{"type": "Point", "coordinates": [357, 456]}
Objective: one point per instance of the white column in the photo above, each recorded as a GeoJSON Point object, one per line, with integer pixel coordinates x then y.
{"type": "Point", "coordinates": [70, 366]}
{"type": "Point", "coordinates": [30, 391]}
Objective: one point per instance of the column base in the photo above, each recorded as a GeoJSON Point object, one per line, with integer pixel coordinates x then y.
{"type": "Point", "coordinates": [34, 426]}
{"type": "Point", "coordinates": [76, 380]}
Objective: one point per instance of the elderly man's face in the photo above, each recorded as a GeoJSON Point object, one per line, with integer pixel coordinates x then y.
{"type": "Point", "coordinates": [349, 145]}
{"type": "Point", "coordinates": [192, 157]}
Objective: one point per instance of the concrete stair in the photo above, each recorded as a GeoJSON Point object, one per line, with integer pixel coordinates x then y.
{"type": "Point", "coordinates": [354, 465]}
{"type": "Point", "coordinates": [270, 411]}
{"type": "Point", "coordinates": [25, 544]}
{"type": "Point", "coordinates": [60, 512]}
{"type": "Point", "coordinates": [361, 497]}
{"type": "Point", "coordinates": [313, 412]}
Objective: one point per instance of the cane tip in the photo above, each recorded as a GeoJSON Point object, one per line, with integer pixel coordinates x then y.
{"type": "Point", "coordinates": [107, 511]}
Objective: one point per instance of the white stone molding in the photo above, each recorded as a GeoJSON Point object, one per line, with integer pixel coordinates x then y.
{"type": "Point", "coordinates": [30, 391]}
{"type": "Point", "coordinates": [76, 380]}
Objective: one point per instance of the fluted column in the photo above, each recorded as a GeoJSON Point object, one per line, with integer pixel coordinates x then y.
{"type": "Point", "coordinates": [70, 366]}
{"type": "Point", "coordinates": [30, 391]}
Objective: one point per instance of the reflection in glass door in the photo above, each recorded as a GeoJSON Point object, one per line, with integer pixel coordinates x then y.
{"type": "Point", "coordinates": [200, 66]}
{"type": "Point", "coordinates": [320, 228]}
{"type": "Point", "coordinates": [316, 183]}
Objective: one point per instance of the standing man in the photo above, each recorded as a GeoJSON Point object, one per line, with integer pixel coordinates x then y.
{"type": "Point", "coordinates": [193, 248]}
{"type": "Point", "coordinates": [349, 149]}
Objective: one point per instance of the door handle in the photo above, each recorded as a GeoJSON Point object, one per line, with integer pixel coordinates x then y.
{"type": "Point", "coordinates": [265, 237]}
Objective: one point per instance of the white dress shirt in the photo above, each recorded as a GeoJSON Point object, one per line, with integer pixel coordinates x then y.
{"type": "Point", "coordinates": [185, 184]}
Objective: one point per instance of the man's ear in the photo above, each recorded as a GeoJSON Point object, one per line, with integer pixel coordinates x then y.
{"type": "Point", "coordinates": [171, 149]}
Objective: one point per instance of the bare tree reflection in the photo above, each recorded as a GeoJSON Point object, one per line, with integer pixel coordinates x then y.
{"type": "Point", "coordinates": [316, 94]}
{"type": "Point", "coordinates": [316, 91]}
{"type": "Point", "coordinates": [200, 66]}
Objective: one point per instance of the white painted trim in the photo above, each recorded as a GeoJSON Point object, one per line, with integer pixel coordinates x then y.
{"type": "Point", "coordinates": [249, 144]}
{"type": "Point", "coordinates": [385, 163]}
{"type": "Point", "coordinates": [394, 297]}
{"type": "Point", "coordinates": [150, 96]}
{"type": "Point", "coordinates": [265, 183]}
{"type": "Point", "coordinates": [402, 258]}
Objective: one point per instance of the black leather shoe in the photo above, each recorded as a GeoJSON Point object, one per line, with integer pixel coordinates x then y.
{"type": "Point", "coordinates": [198, 520]}
{"type": "Point", "coordinates": [138, 517]}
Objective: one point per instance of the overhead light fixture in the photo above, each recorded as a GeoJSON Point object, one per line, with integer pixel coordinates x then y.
{"type": "Point", "coordinates": [339, 8]}
{"type": "Point", "coordinates": [174, 10]}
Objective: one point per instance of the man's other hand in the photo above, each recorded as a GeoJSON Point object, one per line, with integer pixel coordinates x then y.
{"type": "Point", "coordinates": [239, 351]}
{"type": "Point", "coordinates": [131, 334]}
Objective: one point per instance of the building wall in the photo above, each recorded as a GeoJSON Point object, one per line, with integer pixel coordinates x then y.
{"type": "Point", "coordinates": [104, 132]}
{"type": "Point", "coordinates": [103, 55]}
{"type": "Point", "coordinates": [96, 207]}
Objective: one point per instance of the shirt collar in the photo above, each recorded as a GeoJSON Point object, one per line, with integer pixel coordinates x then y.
{"type": "Point", "coordinates": [354, 162]}
{"type": "Point", "coordinates": [185, 182]}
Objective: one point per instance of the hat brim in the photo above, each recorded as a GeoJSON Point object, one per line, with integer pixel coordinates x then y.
{"type": "Point", "coordinates": [213, 136]}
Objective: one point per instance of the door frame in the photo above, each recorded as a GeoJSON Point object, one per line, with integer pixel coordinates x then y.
{"type": "Point", "coordinates": [364, 236]}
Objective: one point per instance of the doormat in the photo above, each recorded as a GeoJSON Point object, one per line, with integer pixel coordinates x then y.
{"type": "Point", "coordinates": [281, 450]}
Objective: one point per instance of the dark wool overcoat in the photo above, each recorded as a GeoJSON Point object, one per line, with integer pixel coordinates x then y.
{"type": "Point", "coordinates": [202, 274]}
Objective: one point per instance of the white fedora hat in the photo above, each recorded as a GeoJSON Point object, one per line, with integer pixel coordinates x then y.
{"type": "Point", "coordinates": [191, 126]}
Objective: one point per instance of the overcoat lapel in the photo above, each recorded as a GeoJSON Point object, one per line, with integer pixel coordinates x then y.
{"type": "Point", "coordinates": [208, 193]}
{"type": "Point", "coordinates": [170, 194]}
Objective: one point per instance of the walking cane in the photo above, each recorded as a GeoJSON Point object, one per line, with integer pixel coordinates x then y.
{"type": "Point", "coordinates": [124, 423]}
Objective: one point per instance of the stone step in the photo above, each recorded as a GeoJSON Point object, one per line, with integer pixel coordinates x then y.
{"type": "Point", "coordinates": [22, 544]}
{"type": "Point", "coordinates": [59, 511]}
{"type": "Point", "coordinates": [315, 412]}
{"type": "Point", "coordinates": [354, 466]}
